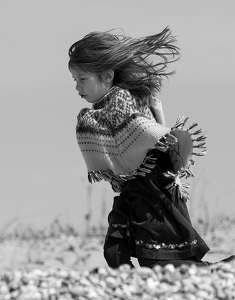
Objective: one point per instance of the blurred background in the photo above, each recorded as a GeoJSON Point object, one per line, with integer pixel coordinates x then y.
{"type": "Point", "coordinates": [42, 173]}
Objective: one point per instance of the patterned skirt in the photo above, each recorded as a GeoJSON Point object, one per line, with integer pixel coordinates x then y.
{"type": "Point", "coordinates": [155, 219]}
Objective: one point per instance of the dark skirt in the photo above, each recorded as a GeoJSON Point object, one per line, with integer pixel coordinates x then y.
{"type": "Point", "coordinates": [155, 219]}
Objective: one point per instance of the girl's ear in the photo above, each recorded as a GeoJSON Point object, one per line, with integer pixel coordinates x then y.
{"type": "Point", "coordinates": [108, 76]}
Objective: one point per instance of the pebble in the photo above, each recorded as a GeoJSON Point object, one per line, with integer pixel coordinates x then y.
{"type": "Point", "coordinates": [162, 283]}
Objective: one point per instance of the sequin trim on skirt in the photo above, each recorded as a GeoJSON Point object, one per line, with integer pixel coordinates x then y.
{"type": "Point", "coordinates": [163, 245]}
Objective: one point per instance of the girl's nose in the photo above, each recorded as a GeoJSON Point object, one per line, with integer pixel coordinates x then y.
{"type": "Point", "coordinates": [77, 87]}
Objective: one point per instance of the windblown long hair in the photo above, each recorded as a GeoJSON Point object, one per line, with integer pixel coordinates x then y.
{"type": "Point", "coordinates": [139, 65]}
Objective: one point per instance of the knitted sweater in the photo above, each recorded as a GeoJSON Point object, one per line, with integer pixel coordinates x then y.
{"type": "Point", "coordinates": [117, 135]}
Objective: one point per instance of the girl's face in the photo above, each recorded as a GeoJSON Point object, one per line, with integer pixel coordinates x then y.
{"type": "Point", "coordinates": [89, 85]}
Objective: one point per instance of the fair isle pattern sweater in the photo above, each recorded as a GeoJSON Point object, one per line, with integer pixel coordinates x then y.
{"type": "Point", "coordinates": [117, 134]}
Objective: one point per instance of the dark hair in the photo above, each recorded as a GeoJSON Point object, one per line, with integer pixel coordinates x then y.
{"type": "Point", "coordinates": [138, 64]}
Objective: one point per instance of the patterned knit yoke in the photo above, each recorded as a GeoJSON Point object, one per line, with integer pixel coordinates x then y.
{"type": "Point", "coordinates": [117, 135]}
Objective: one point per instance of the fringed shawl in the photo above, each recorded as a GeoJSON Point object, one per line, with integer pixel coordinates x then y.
{"type": "Point", "coordinates": [117, 135]}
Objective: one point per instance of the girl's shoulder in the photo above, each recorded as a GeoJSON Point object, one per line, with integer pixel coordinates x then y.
{"type": "Point", "coordinates": [82, 112]}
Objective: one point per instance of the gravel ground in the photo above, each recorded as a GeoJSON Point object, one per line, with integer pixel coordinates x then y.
{"type": "Point", "coordinates": [63, 269]}
{"type": "Point", "coordinates": [168, 283]}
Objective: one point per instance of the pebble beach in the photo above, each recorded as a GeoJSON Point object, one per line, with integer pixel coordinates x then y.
{"type": "Point", "coordinates": [70, 267]}
{"type": "Point", "coordinates": [161, 283]}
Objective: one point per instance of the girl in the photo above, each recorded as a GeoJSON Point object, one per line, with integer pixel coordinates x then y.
{"type": "Point", "coordinates": [124, 140]}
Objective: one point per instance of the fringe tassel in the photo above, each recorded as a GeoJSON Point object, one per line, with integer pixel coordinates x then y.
{"type": "Point", "coordinates": [179, 122]}
{"type": "Point", "coordinates": [197, 132]}
{"type": "Point", "coordinates": [203, 153]}
{"type": "Point", "coordinates": [186, 173]}
{"type": "Point", "coordinates": [200, 138]}
{"type": "Point", "coordinates": [177, 191]}
{"type": "Point", "coordinates": [192, 126]}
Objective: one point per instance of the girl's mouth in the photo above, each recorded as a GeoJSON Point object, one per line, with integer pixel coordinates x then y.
{"type": "Point", "coordinates": [82, 95]}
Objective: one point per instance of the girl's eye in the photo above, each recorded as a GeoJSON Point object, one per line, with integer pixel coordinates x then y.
{"type": "Point", "coordinates": [82, 79]}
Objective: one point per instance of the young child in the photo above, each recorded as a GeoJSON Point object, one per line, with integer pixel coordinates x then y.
{"type": "Point", "coordinates": [124, 140]}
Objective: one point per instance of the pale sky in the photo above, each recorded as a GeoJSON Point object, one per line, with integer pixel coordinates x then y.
{"type": "Point", "coordinates": [42, 171]}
